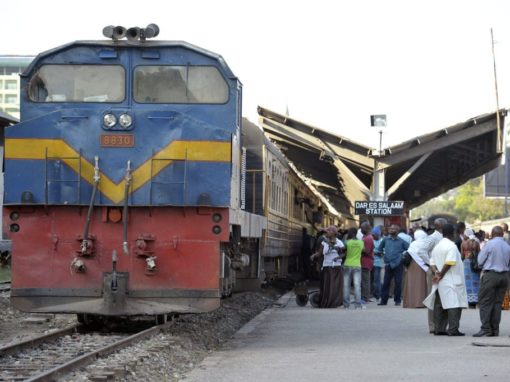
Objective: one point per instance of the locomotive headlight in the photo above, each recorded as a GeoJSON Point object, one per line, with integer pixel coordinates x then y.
{"type": "Point", "coordinates": [125, 120]}
{"type": "Point", "coordinates": [109, 120]}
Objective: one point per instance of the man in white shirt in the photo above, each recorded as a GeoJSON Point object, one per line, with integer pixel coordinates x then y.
{"type": "Point", "coordinates": [449, 295]}
{"type": "Point", "coordinates": [431, 242]}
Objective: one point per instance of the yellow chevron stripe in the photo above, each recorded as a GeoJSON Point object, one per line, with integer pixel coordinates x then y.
{"type": "Point", "coordinates": [177, 150]}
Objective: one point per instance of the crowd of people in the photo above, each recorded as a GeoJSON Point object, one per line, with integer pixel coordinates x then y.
{"type": "Point", "coordinates": [445, 269]}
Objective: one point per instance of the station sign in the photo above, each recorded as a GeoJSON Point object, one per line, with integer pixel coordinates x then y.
{"type": "Point", "coordinates": [379, 208]}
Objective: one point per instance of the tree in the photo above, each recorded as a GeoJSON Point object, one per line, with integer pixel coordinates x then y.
{"type": "Point", "coordinates": [467, 202]}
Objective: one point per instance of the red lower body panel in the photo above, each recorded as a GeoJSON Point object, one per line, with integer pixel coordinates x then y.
{"type": "Point", "coordinates": [185, 247]}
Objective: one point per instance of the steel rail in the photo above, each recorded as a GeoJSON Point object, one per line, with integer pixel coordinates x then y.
{"type": "Point", "coordinates": [14, 348]}
{"type": "Point", "coordinates": [52, 374]}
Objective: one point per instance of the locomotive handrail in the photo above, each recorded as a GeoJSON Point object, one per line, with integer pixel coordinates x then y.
{"type": "Point", "coordinates": [85, 243]}
{"type": "Point", "coordinates": [128, 178]}
{"type": "Point", "coordinates": [184, 189]}
{"type": "Point", "coordinates": [46, 176]}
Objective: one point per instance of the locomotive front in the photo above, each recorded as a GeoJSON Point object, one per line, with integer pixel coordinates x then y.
{"type": "Point", "coordinates": [119, 177]}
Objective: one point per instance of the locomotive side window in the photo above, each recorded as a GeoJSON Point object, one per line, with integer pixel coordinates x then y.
{"type": "Point", "coordinates": [179, 84]}
{"type": "Point", "coordinates": [78, 83]}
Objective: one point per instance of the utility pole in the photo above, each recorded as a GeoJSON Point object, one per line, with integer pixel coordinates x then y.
{"type": "Point", "coordinates": [498, 123]}
{"type": "Point", "coordinates": [378, 180]}
{"type": "Point", "coordinates": [500, 146]}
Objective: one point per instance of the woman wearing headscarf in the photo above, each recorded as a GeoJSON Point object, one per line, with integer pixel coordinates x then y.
{"type": "Point", "coordinates": [470, 248]}
{"type": "Point", "coordinates": [331, 279]}
{"type": "Point", "coordinates": [415, 287]}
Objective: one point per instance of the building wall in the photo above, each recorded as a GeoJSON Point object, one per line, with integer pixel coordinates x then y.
{"type": "Point", "coordinates": [10, 69]}
{"type": "Point", "coordinates": [9, 94]}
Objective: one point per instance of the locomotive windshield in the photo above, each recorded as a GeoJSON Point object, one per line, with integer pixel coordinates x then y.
{"type": "Point", "coordinates": [179, 84]}
{"type": "Point", "coordinates": [78, 83]}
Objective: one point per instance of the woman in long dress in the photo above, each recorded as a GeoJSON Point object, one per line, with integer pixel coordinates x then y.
{"type": "Point", "coordinates": [331, 279]}
{"type": "Point", "coordinates": [415, 287]}
{"type": "Point", "coordinates": [470, 247]}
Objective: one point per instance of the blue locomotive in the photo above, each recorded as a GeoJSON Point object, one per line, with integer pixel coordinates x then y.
{"type": "Point", "coordinates": [129, 189]}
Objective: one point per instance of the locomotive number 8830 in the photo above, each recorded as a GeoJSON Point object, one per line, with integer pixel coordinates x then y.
{"type": "Point", "coordinates": [122, 176]}
{"type": "Point", "coordinates": [129, 189]}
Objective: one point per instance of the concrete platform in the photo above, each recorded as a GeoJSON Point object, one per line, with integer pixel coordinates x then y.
{"type": "Point", "coordinates": [381, 343]}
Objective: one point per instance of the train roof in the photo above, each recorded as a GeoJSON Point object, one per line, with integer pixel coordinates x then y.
{"type": "Point", "coordinates": [130, 44]}
{"type": "Point", "coordinates": [254, 139]}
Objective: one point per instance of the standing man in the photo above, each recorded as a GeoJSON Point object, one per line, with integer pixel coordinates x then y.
{"type": "Point", "coordinates": [378, 263]}
{"type": "Point", "coordinates": [449, 294]}
{"type": "Point", "coordinates": [367, 261]}
{"type": "Point", "coordinates": [506, 234]}
{"type": "Point", "coordinates": [495, 260]}
{"type": "Point", "coordinates": [461, 227]}
{"type": "Point", "coordinates": [432, 240]}
{"type": "Point", "coordinates": [352, 269]}
{"type": "Point", "coordinates": [393, 247]}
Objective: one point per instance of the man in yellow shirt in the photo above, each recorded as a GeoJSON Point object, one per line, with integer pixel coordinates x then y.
{"type": "Point", "coordinates": [352, 268]}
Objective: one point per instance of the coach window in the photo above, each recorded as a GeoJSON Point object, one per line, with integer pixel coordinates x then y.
{"type": "Point", "coordinates": [179, 84]}
{"type": "Point", "coordinates": [285, 194]}
{"type": "Point", "coordinates": [273, 186]}
{"type": "Point", "coordinates": [78, 83]}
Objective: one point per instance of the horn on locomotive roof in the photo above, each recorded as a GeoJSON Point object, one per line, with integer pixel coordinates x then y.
{"type": "Point", "coordinates": [115, 33]}
{"type": "Point", "coordinates": [132, 34]}
{"type": "Point", "coordinates": [151, 30]}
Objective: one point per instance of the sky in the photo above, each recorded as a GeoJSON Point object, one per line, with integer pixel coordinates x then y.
{"type": "Point", "coordinates": [427, 64]}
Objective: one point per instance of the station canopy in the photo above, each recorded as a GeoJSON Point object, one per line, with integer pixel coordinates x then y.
{"type": "Point", "coordinates": [414, 171]}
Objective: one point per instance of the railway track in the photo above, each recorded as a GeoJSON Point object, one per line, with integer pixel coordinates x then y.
{"type": "Point", "coordinates": [48, 357]}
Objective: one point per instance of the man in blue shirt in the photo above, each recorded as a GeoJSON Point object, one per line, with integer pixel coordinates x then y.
{"type": "Point", "coordinates": [392, 246]}
{"type": "Point", "coordinates": [494, 258]}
